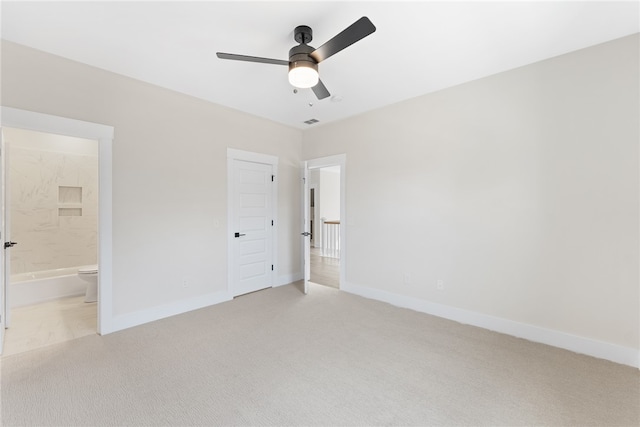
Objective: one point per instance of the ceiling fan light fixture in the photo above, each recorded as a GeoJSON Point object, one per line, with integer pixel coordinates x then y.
{"type": "Point", "coordinates": [304, 59]}
{"type": "Point", "coordinates": [303, 74]}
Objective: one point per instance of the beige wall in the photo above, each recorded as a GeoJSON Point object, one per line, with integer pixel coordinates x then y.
{"type": "Point", "coordinates": [169, 173]}
{"type": "Point", "coordinates": [519, 191]}
{"type": "Point", "coordinates": [329, 195]}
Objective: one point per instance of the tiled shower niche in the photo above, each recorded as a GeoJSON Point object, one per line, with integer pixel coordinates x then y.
{"type": "Point", "coordinates": [69, 201]}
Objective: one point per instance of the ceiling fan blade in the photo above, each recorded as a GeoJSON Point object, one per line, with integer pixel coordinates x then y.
{"type": "Point", "coordinates": [320, 90]}
{"type": "Point", "coordinates": [235, 57]}
{"type": "Point", "coordinates": [353, 33]}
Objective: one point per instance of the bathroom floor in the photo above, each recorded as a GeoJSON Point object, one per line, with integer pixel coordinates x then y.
{"type": "Point", "coordinates": [51, 322]}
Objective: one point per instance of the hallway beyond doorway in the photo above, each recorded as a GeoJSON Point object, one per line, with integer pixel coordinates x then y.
{"type": "Point", "coordinates": [325, 270]}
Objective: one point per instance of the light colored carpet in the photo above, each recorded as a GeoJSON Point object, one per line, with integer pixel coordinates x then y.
{"type": "Point", "coordinates": [278, 357]}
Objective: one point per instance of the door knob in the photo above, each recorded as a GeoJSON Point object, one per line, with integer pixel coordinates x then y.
{"type": "Point", "coordinates": [306, 233]}
{"type": "Point", "coordinates": [9, 244]}
{"type": "Point", "coordinates": [238, 234]}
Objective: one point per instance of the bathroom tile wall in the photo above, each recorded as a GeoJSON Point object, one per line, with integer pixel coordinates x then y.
{"type": "Point", "coordinates": [53, 201]}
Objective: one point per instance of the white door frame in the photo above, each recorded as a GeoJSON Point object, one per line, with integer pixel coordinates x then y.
{"type": "Point", "coordinates": [248, 156]}
{"type": "Point", "coordinates": [3, 239]}
{"type": "Point", "coordinates": [323, 162]}
{"type": "Point", "coordinates": [29, 120]}
{"type": "Point", "coordinates": [6, 231]}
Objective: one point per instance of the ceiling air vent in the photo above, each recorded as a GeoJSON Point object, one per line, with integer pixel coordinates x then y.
{"type": "Point", "coordinates": [311, 121]}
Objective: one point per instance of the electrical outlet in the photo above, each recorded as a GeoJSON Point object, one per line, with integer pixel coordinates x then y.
{"type": "Point", "coordinates": [440, 285]}
{"type": "Point", "coordinates": [185, 283]}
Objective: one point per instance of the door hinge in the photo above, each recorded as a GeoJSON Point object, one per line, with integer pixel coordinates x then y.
{"type": "Point", "coordinates": [273, 177]}
{"type": "Point", "coordinates": [271, 267]}
{"type": "Point", "coordinates": [272, 223]}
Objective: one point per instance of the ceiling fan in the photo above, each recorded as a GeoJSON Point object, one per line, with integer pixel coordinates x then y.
{"type": "Point", "coordinates": [303, 59]}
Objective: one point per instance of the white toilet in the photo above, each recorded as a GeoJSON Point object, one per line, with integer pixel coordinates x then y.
{"type": "Point", "coordinates": [89, 273]}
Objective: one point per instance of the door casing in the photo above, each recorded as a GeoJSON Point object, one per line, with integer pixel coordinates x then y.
{"type": "Point", "coordinates": [247, 156]}
{"type": "Point", "coordinates": [29, 120]}
{"type": "Point", "coordinates": [323, 162]}
{"type": "Point", "coordinates": [3, 238]}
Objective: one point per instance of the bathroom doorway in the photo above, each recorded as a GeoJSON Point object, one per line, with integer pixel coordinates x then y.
{"type": "Point", "coordinates": [51, 197]}
{"type": "Point", "coordinates": [64, 191]}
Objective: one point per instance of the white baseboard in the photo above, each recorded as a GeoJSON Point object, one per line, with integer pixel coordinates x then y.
{"type": "Point", "coordinates": [129, 320]}
{"type": "Point", "coordinates": [603, 350]}
{"type": "Point", "coordinates": [288, 279]}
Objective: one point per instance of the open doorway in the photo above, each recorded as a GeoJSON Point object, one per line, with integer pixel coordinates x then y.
{"type": "Point", "coordinates": [324, 214]}
{"type": "Point", "coordinates": [324, 246]}
{"type": "Point", "coordinates": [69, 206]}
{"type": "Point", "coordinates": [51, 211]}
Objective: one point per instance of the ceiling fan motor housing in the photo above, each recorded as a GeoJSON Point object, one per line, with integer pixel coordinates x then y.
{"type": "Point", "coordinates": [299, 56]}
{"type": "Point", "coordinates": [303, 69]}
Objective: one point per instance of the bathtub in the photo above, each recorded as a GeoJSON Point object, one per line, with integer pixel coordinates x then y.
{"type": "Point", "coordinates": [41, 286]}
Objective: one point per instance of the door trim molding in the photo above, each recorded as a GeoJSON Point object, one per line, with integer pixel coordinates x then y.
{"type": "Point", "coordinates": [248, 156]}
{"type": "Point", "coordinates": [30, 120]}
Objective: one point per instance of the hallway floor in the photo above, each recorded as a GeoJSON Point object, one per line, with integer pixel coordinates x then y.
{"type": "Point", "coordinates": [51, 322]}
{"type": "Point", "coordinates": [324, 270]}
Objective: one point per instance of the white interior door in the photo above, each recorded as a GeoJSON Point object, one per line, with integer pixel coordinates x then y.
{"type": "Point", "coordinates": [306, 228]}
{"type": "Point", "coordinates": [3, 283]}
{"type": "Point", "coordinates": [253, 226]}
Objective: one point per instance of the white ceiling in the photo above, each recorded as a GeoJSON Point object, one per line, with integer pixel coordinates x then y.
{"type": "Point", "coordinates": [419, 46]}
